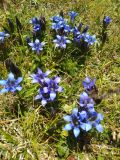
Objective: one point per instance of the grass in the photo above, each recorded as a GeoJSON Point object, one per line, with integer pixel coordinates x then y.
{"type": "Point", "coordinates": [29, 131]}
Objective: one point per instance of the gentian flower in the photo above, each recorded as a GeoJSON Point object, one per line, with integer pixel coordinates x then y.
{"type": "Point", "coordinates": [107, 20]}
{"type": "Point", "coordinates": [47, 92]}
{"type": "Point", "coordinates": [74, 122]}
{"type": "Point", "coordinates": [40, 76]}
{"type": "Point", "coordinates": [83, 120]}
{"type": "Point", "coordinates": [37, 46]}
{"type": "Point", "coordinates": [49, 87]}
{"type": "Point", "coordinates": [61, 41]}
{"type": "Point", "coordinates": [96, 123]}
{"type": "Point", "coordinates": [11, 84]}
{"type": "Point", "coordinates": [86, 102]}
{"type": "Point", "coordinates": [76, 32]}
{"type": "Point", "coordinates": [3, 35]}
{"type": "Point", "coordinates": [67, 28]}
{"type": "Point", "coordinates": [89, 84]}
{"type": "Point", "coordinates": [36, 27]}
{"type": "Point", "coordinates": [57, 18]}
{"type": "Point", "coordinates": [89, 39]}
{"type": "Point", "coordinates": [34, 20]}
{"type": "Point", "coordinates": [57, 26]}
{"type": "Point", "coordinates": [72, 15]}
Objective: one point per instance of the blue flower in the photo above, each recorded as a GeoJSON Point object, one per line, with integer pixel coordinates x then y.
{"type": "Point", "coordinates": [57, 18]}
{"type": "Point", "coordinates": [74, 123]}
{"type": "Point", "coordinates": [57, 26]}
{"type": "Point", "coordinates": [40, 77]}
{"type": "Point", "coordinates": [61, 41]}
{"type": "Point", "coordinates": [34, 20]}
{"type": "Point", "coordinates": [3, 35]}
{"type": "Point", "coordinates": [107, 20]}
{"type": "Point", "coordinates": [96, 123]}
{"type": "Point", "coordinates": [89, 84]}
{"type": "Point", "coordinates": [72, 15]}
{"type": "Point", "coordinates": [67, 28]}
{"type": "Point", "coordinates": [37, 46]}
{"type": "Point", "coordinates": [84, 120]}
{"type": "Point", "coordinates": [89, 39]}
{"type": "Point", "coordinates": [11, 84]}
{"type": "Point", "coordinates": [86, 102]}
{"type": "Point", "coordinates": [49, 87]}
{"type": "Point", "coordinates": [49, 90]}
{"type": "Point", "coordinates": [36, 28]}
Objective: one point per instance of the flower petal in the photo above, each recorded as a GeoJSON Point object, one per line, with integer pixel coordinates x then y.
{"type": "Point", "coordinates": [75, 111]}
{"type": "Point", "coordinates": [76, 131]}
{"type": "Point", "coordinates": [11, 77]}
{"type": "Point", "coordinates": [68, 127]}
{"type": "Point", "coordinates": [99, 128]}
{"type": "Point", "coordinates": [52, 95]}
{"type": "Point", "coordinates": [3, 82]}
{"type": "Point", "coordinates": [43, 102]}
{"type": "Point", "coordinates": [4, 90]}
{"type": "Point", "coordinates": [19, 79]}
{"type": "Point", "coordinates": [19, 88]}
{"type": "Point", "coordinates": [38, 97]}
{"type": "Point", "coordinates": [67, 118]}
{"type": "Point", "coordinates": [86, 126]}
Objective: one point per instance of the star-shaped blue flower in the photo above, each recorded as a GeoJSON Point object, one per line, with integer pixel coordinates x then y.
{"type": "Point", "coordinates": [11, 84]}
{"type": "Point", "coordinates": [37, 45]}
{"type": "Point", "coordinates": [61, 41]}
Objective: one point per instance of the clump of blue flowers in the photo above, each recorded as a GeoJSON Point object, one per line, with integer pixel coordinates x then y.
{"type": "Point", "coordinates": [83, 38]}
{"type": "Point", "coordinates": [49, 87]}
{"type": "Point", "coordinates": [60, 25]}
{"type": "Point", "coordinates": [84, 118]}
{"type": "Point", "coordinates": [62, 29]}
{"type": "Point", "coordinates": [3, 35]}
{"type": "Point", "coordinates": [39, 24]}
{"type": "Point", "coordinates": [11, 84]}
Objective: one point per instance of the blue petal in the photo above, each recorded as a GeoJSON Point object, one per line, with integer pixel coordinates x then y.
{"type": "Point", "coordinates": [11, 77]}
{"type": "Point", "coordinates": [3, 82]}
{"type": "Point", "coordinates": [67, 118]}
{"type": "Point", "coordinates": [52, 95]}
{"type": "Point", "coordinates": [76, 131]}
{"type": "Point", "coordinates": [37, 41]}
{"type": "Point", "coordinates": [68, 127]}
{"type": "Point", "coordinates": [86, 126]}
{"type": "Point", "coordinates": [19, 88]}
{"type": "Point", "coordinates": [99, 128]}
{"type": "Point", "coordinates": [31, 44]}
{"type": "Point", "coordinates": [75, 111]}
{"type": "Point", "coordinates": [38, 97]}
{"type": "Point", "coordinates": [45, 90]}
{"type": "Point", "coordinates": [47, 73]}
{"type": "Point", "coordinates": [60, 89]}
{"type": "Point", "coordinates": [34, 81]}
{"type": "Point", "coordinates": [39, 71]}
{"type": "Point", "coordinates": [19, 79]}
{"type": "Point", "coordinates": [57, 79]}
{"type": "Point", "coordinates": [43, 102]}
{"type": "Point", "coordinates": [99, 116]}
{"type": "Point", "coordinates": [4, 90]}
